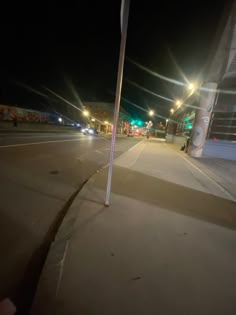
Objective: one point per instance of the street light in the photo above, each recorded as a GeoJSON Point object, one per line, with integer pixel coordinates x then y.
{"type": "Point", "coordinates": [151, 113]}
{"type": "Point", "coordinates": [106, 122]}
{"type": "Point", "coordinates": [167, 123]}
{"type": "Point", "coordinates": [60, 119]}
{"type": "Point", "coordinates": [86, 113]}
{"type": "Point", "coordinates": [172, 111]}
{"type": "Point", "coordinates": [178, 103]}
{"type": "Point", "coordinates": [191, 86]}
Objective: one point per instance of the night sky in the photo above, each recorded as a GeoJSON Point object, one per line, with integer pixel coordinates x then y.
{"type": "Point", "coordinates": [78, 46]}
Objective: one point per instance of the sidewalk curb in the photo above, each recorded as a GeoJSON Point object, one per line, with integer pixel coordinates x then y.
{"type": "Point", "coordinates": [52, 271]}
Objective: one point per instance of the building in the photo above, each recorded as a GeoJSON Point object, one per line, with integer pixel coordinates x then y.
{"type": "Point", "coordinates": [9, 113]}
{"type": "Point", "coordinates": [209, 112]}
{"type": "Point", "coordinates": [100, 116]}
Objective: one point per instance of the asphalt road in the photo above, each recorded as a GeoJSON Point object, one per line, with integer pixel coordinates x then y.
{"type": "Point", "coordinates": [40, 176]}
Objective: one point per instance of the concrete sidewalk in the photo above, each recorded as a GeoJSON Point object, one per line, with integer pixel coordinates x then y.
{"type": "Point", "coordinates": [166, 245]}
{"type": "Point", "coordinates": [221, 171]}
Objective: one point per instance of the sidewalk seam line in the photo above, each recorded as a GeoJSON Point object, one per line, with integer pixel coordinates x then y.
{"type": "Point", "coordinates": [225, 191]}
{"type": "Point", "coordinates": [207, 176]}
{"type": "Point", "coordinates": [106, 165]}
{"type": "Point", "coordinates": [135, 146]}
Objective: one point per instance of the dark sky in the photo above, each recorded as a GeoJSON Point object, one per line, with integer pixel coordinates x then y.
{"type": "Point", "coordinates": [61, 47]}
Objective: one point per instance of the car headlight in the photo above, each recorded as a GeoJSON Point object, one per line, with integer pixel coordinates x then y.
{"type": "Point", "coordinates": [91, 132]}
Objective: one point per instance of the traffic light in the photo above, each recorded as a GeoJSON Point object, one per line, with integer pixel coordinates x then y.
{"type": "Point", "coordinates": [137, 122]}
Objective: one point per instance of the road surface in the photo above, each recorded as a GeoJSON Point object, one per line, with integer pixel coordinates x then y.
{"type": "Point", "coordinates": [40, 175]}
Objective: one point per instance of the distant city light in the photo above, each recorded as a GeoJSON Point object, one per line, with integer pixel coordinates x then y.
{"type": "Point", "coordinates": [60, 119]}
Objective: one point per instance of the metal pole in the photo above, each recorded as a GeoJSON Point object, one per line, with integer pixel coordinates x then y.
{"type": "Point", "coordinates": [124, 27]}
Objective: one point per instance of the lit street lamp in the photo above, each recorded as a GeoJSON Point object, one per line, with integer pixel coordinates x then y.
{"type": "Point", "coordinates": [151, 113]}
{"type": "Point", "coordinates": [167, 120]}
{"type": "Point", "coordinates": [191, 86]}
{"type": "Point", "coordinates": [172, 111]}
{"type": "Point", "coordinates": [178, 103]}
{"type": "Point", "coordinates": [86, 113]}
{"type": "Point", "coordinates": [60, 119]}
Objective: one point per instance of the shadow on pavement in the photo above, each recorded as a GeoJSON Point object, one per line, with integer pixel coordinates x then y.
{"type": "Point", "coordinates": [170, 196]}
{"type": "Point", "coordinates": [23, 257]}
{"type": "Point", "coordinates": [19, 273]}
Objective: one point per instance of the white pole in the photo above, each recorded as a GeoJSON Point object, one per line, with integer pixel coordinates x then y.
{"type": "Point", "coordinates": [124, 26]}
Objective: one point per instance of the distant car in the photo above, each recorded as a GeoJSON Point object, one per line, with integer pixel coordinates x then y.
{"type": "Point", "coordinates": [89, 131]}
{"type": "Point", "coordinates": [129, 134]}
{"type": "Point", "coordinates": [137, 133]}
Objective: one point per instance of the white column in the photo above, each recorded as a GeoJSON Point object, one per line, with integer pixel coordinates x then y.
{"type": "Point", "coordinates": [202, 118]}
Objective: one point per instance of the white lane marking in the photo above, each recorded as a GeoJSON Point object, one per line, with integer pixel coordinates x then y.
{"type": "Point", "coordinates": [208, 177]}
{"type": "Point", "coordinates": [40, 142]}
{"type": "Point", "coordinates": [52, 136]}
{"type": "Point", "coordinates": [46, 136]}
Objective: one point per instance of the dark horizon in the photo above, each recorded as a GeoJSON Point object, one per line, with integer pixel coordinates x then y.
{"type": "Point", "coordinates": [83, 54]}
